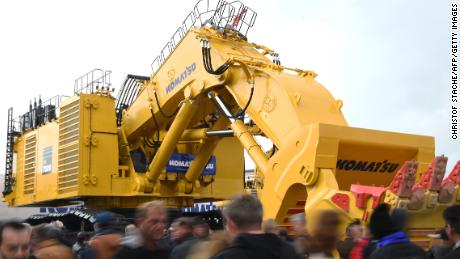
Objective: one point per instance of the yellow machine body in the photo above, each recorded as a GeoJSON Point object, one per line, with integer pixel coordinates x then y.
{"type": "Point", "coordinates": [85, 163]}
{"type": "Point", "coordinates": [318, 161]}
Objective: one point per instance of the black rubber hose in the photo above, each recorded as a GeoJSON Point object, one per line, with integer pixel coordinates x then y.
{"type": "Point", "coordinates": [241, 114]}
{"type": "Point", "coordinates": [161, 110]}
{"type": "Point", "coordinates": [208, 63]}
{"type": "Point", "coordinates": [155, 124]}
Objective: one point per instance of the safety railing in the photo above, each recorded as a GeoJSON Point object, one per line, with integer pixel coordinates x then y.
{"type": "Point", "coordinates": [39, 113]}
{"type": "Point", "coordinates": [93, 80]}
{"type": "Point", "coordinates": [218, 14]}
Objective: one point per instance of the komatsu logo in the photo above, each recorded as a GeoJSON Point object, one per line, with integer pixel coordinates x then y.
{"type": "Point", "coordinates": [180, 162]}
{"type": "Point", "coordinates": [188, 71]}
{"type": "Point", "coordinates": [367, 166]}
{"type": "Point", "coordinates": [186, 164]}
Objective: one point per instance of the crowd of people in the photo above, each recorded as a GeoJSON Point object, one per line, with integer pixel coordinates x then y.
{"type": "Point", "coordinates": [245, 236]}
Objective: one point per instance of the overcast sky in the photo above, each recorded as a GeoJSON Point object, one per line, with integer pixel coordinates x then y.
{"type": "Point", "coordinates": [387, 60]}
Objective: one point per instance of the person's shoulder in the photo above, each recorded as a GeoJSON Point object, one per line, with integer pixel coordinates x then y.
{"type": "Point", "coordinates": [377, 253]}
{"type": "Point", "coordinates": [412, 249]}
{"type": "Point", "coordinates": [180, 251]}
{"type": "Point", "coordinates": [188, 242]}
{"type": "Point", "coordinates": [288, 249]}
{"type": "Point", "coordinates": [406, 249]}
{"type": "Point", "coordinates": [231, 252]}
{"type": "Point", "coordinates": [452, 255]}
{"type": "Point", "coordinates": [140, 252]}
{"type": "Point", "coordinates": [125, 252]}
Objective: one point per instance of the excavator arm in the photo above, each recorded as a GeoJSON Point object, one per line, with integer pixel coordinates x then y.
{"type": "Point", "coordinates": [317, 160]}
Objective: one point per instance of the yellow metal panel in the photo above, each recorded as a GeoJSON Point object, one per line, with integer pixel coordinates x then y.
{"type": "Point", "coordinates": [358, 163]}
{"type": "Point", "coordinates": [371, 157]}
{"type": "Point", "coordinates": [98, 145]}
{"type": "Point", "coordinates": [102, 113]}
{"type": "Point", "coordinates": [121, 186]}
{"type": "Point", "coordinates": [137, 118]}
{"type": "Point", "coordinates": [230, 172]}
{"type": "Point", "coordinates": [46, 188]}
{"type": "Point", "coordinates": [104, 164]}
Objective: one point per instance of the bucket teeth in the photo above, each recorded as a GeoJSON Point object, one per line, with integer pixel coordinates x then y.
{"type": "Point", "coordinates": [402, 183]}
{"type": "Point", "coordinates": [454, 176]}
{"type": "Point", "coordinates": [417, 198]}
{"type": "Point", "coordinates": [431, 180]}
{"type": "Point", "coordinates": [447, 190]}
{"type": "Point", "coordinates": [433, 175]}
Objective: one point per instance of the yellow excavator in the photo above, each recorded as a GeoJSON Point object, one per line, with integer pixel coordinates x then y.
{"type": "Point", "coordinates": [179, 136]}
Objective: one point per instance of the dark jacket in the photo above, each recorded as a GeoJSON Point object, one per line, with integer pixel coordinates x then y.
{"type": "Point", "coordinates": [132, 247]}
{"type": "Point", "coordinates": [141, 253]}
{"type": "Point", "coordinates": [370, 248]}
{"type": "Point", "coordinates": [399, 251]}
{"type": "Point", "coordinates": [255, 246]}
{"type": "Point", "coordinates": [181, 250]}
{"type": "Point", "coordinates": [453, 255]}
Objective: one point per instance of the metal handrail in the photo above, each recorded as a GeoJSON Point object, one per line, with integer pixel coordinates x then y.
{"type": "Point", "coordinates": [47, 111]}
{"type": "Point", "coordinates": [233, 15]}
{"type": "Point", "coordinates": [93, 80]}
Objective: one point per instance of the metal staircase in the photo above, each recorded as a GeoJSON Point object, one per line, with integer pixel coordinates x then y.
{"type": "Point", "coordinates": [11, 133]}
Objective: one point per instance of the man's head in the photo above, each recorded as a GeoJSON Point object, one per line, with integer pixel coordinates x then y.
{"type": "Point", "coordinates": [326, 231]}
{"type": "Point", "coordinates": [355, 230]}
{"type": "Point", "coordinates": [200, 228]}
{"type": "Point", "coordinates": [129, 229]}
{"type": "Point", "coordinates": [44, 232]}
{"type": "Point", "coordinates": [298, 223]}
{"type": "Point", "coordinates": [380, 222]}
{"type": "Point", "coordinates": [440, 239]}
{"type": "Point", "coordinates": [243, 214]}
{"type": "Point", "coordinates": [452, 218]}
{"type": "Point", "coordinates": [14, 240]}
{"type": "Point", "coordinates": [399, 219]}
{"type": "Point", "coordinates": [181, 228]}
{"type": "Point", "coordinates": [151, 219]}
{"type": "Point", "coordinates": [104, 220]}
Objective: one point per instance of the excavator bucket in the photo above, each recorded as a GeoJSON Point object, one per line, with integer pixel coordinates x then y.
{"type": "Point", "coordinates": [352, 170]}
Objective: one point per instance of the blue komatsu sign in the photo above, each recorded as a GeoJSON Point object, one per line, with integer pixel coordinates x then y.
{"type": "Point", "coordinates": [179, 163]}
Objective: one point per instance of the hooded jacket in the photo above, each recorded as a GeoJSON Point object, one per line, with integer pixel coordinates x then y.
{"type": "Point", "coordinates": [255, 246]}
{"type": "Point", "coordinates": [392, 241]}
